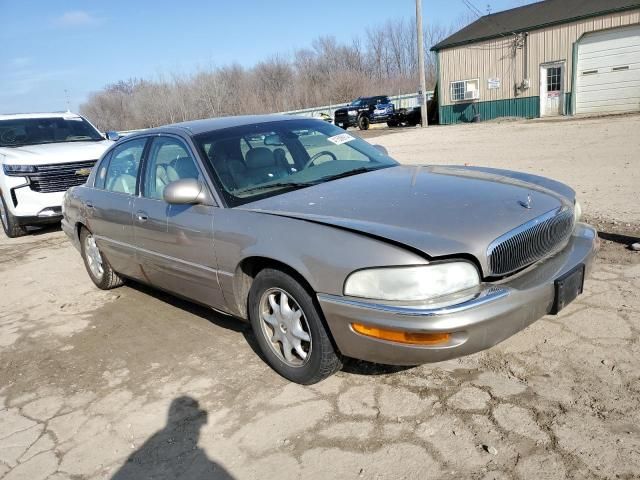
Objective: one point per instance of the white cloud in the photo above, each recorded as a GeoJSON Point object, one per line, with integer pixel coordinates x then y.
{"type": "Point", "coordinates": [76, 18]}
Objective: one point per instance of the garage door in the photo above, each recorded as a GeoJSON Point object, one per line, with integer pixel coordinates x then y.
{"type": "Point", "coordinates": [608, 72]}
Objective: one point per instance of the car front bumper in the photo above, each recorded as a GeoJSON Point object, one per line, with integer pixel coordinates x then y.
{"type": "Point", "coordinates": [497, 312]}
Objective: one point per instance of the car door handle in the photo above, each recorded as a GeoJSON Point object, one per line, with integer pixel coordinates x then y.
{"type": "Point", "coordinates": [142, 216]}
{"type": "Point", "coordinates": [88, 205]}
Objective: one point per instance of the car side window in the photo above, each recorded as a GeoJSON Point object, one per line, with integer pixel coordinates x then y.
{"type": "Point", "coordinates": [101, 173]}
{"type": "Point", "coordinates": [122, 171]}
{"type": "Point", "coordinates": [169, 160]}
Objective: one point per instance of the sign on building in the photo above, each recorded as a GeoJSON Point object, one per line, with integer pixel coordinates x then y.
{"type": "Point", "coordinates": [493, 83]}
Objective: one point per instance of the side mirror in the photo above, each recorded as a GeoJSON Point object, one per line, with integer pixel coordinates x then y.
{"type": "Point", "coordinates": [382, 149]}
{"type": "Point", "coordinates": [187, 191]}
{"type": "Point", "coordinates": [113, 136]}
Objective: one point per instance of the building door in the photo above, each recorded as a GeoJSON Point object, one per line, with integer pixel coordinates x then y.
{"type": "Point", "coordinates": [608, 71]}
{"type": "Point", "coordinates": [551, 89]}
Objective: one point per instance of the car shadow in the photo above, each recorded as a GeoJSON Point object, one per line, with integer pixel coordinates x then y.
{"type": "Point", "coordinates": [173, 451]}
{"type": "Point", "coordinates": [351, 365]}
{"type": "Point", "coordinates": [219, 319]}
{"type": "Point", "coordinates": [618, 238]}
{"type": "Point", "coordinates": [362, 367]}
{"type": "Point", "coordinates": [44, 230]}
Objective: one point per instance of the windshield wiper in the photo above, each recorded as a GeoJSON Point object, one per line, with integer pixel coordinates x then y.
{"type": "Point", "coordinates": [294, 185]}
{"type": "Point", "coordinates": [349, 173]}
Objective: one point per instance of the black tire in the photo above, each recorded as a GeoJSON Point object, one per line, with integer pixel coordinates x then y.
{"type": "Point", "coordinates": [109, 279]}
{"type": "Point", "coordinates": [10, 225]}
{"type": "Point", "coordinates": [363, 123]}
{"type": "Point", "coordinates": [392, 123]}
{"type": "Point", "coordinates": [323, 360]}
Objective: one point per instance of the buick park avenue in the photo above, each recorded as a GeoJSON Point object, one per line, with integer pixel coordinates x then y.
{"type": "Point", "coordinates": [325, 244]}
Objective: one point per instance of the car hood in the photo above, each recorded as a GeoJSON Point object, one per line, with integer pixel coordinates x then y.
{"type": "Point", "coordinates": [54, 153]}
{"type": "Point", "coordinates": [346, 109]}
{"type": "Point", "coordinates": [438, 210]}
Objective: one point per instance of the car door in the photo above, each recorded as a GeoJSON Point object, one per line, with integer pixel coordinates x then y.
{"type": "Point", "coordinates": [108, 205]}
{"type": "Point", "coordinates": [175, 242]}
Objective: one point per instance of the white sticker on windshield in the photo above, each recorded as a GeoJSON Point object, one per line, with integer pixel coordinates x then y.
{"type": "Point", "coordinates": [341, 138]}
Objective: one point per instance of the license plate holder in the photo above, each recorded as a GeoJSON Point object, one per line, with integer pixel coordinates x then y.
{"type": "Point", "coordinates": [567, 288]}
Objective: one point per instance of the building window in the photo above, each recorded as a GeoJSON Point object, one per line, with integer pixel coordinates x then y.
{"type": "Point", "coordinates": [465, 90]}
{"type": "Point", "coordinates": [553, 79]}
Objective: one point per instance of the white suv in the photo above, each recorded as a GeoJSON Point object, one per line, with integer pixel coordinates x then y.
{"type": "Point", "coordinates": [41, 156]}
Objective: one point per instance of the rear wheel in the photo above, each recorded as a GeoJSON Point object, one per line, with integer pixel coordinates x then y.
{"type": "Point", "coordinates": [97, 266]}
{"type": "Point", "coordinates": [9, 222]}
{"type": "Point", "coordinates": [392, 123]}
{"type": "Point", "coordinates": [289, 329]}
{"type": "Point", "coordinates": [363, 123]}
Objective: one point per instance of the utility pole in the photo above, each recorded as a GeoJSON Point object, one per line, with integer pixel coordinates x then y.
{"type": "Point", "coordinates": [423, 80]}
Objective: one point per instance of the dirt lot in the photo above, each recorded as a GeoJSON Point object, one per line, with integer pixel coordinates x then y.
{"type": "Point", "coordinates": [133, 384]}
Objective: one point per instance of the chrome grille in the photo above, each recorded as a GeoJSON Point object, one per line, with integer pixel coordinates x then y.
{"type": "Point", "coordinates": [530, 242]}
{"type": "Point", "coordinates": [58, 177]}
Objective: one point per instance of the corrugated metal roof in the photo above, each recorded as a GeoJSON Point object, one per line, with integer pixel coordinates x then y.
{"type": "Point", "coordinates": [531, 17]}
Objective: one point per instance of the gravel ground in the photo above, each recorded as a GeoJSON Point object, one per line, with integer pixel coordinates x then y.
{"type": "Point", "coordinates": [133, 384]}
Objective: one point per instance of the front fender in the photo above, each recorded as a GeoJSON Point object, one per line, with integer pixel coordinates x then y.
{"type": "Point", "coordinates": [323, 255]}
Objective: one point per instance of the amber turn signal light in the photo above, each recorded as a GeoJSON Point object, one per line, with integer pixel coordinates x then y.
{"type": "Point", "coordinates": [399, 336]}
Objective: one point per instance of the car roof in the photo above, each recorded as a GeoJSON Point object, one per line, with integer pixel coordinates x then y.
{"type": "Point", "coordinates": [20, 116]}
{"type": "Point", "coordinates": [194, 127]}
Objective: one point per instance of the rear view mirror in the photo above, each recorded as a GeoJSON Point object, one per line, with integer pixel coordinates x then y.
{"type": "Point", "coordinates": [273, 140]}
{"type": "Point", "coordinates": [187, 191]}
{"type": "Point", "coordinates": [113, 136]}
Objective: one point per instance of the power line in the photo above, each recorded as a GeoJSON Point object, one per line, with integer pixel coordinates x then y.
{"type": "Point", "coordinates": [486, 18]}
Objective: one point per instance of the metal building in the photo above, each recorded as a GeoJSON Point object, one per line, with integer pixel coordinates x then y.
{"type": "Point", "coordinates": [556, 57]}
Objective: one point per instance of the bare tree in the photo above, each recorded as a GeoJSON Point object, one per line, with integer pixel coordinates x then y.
{"type": "Point", "coordinates": [329, 72]}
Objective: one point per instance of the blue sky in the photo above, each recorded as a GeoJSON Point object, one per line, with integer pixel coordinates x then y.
{"type": "Point", "coordinates": [49, 46]}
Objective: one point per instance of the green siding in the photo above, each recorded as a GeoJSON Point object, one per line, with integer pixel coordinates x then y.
{"type": "Point", "coordinates": [527, 107]}
{"type": "Point", "coordinates": [568, 104]}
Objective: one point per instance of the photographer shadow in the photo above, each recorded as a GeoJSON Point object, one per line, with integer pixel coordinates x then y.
{"type": "Point", "coordinates": [173, 452]}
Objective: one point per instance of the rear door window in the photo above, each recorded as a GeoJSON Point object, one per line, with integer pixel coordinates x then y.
{"type": "Point", "coordinates": [122, 173]}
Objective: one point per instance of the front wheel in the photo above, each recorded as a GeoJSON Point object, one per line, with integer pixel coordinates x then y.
{"type": "Point", "coordinates": [363, 123]}
{"type": "Point", "coordinates": [289, 329]}
{"type": "Point", "coordinates": [97, 266]}
{"type": "Point", "coordinates": [10, 225]}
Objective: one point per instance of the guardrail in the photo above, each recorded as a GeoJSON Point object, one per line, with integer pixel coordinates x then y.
{"type": "Point", "coordinates": [124, 133]}
{"type": "Point", "coordinates": [407, 100]}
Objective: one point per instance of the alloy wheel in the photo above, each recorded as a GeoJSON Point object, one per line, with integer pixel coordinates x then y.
{"type": "Point", "coordinates": [94, 259]}
{"type": "Point", "coordinates": [284, 325]}
{"type": "Point", "coordinates": [3, 216]}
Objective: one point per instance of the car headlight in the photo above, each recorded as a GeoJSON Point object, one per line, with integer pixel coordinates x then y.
{"type": "Point", "coordinates": [577, 211]}
{"type": "Point", "coordinates": [352, 112]}
{"type": "Point", "coordinates": [412, 283]}
{"type": "Point", "coordinates": [18, 170]}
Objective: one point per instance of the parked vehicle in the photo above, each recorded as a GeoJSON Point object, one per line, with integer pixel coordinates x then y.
{"type": "Point", "coordinates": [41, 155]}
{"type": "Point", "coordinates": [328, 246]}
{"type": "Point", "coordinates": [364, 111]}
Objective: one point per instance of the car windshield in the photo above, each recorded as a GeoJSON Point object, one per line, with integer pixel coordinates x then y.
{"type": "Point", "coordinates": [34, 131]}
{"type": "Point", "coordinates": [255, 161]}
{"type": "Point", "coordinates": [357, 102]}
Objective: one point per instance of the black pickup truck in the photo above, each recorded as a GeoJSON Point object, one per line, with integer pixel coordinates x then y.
{"type": "Point", "coordinates": [364, 111]}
